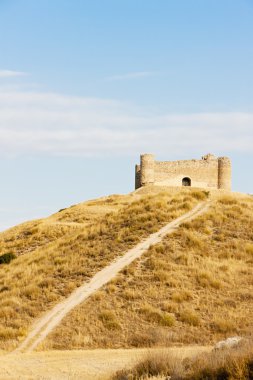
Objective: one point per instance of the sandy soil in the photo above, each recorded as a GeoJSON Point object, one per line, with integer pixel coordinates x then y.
{"type": "Point", "coordinates": [78, 365]}
{"type": "Point", "coordinates": [52, 318]}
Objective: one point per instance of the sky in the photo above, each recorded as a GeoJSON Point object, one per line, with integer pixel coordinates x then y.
{"type": "Point", "coordinates": [86, 86]}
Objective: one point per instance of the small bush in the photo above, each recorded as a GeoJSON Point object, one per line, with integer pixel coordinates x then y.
{"type": "Point", "coordinates": [206, 279]}
{"type": "Point", "coordinates": [109, 320]}
{"type": "Point", "coordinates": [200, 195]}
{"type": "Point", "coordinates": [228, 200]}
{"type": "Point", "coordinates": [249, 249]}
{"type": "Point", "coordinates": [231, 364]}
{"type": "Point", "coordinates": [161, 276]}
{"type": "Point", "coordinates": [142, 339]}
{"type": "Point", "coordinates": [189, 317]}
{"type": "Point", "coordinates": [8, 333]}
{"type": "Point", "coordinates": [131, 294]}
{"type": "Point", "coordinates": [181, 296]}
{"type": "Point", "coordinates": [154, 364]}
{"type": "Point", "coordinates": [224, 325]}
{"type": "Point", "coordinates": [6, 258]}
{"type": "Point", "coordinates": [153, 314]}
{"type": "Point", "coordinates": [191, 240]}
{"type": "Point", "coordinates": [167, 320]}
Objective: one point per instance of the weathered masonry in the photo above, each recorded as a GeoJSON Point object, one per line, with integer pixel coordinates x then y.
{"type": "Point", "coordinates": [210, 172]}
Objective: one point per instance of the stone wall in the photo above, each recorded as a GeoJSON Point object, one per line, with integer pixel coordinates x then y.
{"type": "Point", "coordinates": [137, 176]}
{"type": "Point", "coordinates": [209, 172]}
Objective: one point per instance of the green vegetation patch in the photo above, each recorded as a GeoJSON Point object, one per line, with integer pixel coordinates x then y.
{"type": "Point", "coordinates": [6, 258]}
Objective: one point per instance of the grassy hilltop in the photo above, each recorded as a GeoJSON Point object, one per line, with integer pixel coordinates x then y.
{"type": "Point", "coordinates": [194, 287]}
{"type": "Point", "coordinates": [57, 254]}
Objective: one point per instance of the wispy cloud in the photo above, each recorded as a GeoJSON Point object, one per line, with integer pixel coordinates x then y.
{"type": "Point", "coordinates": [133, 75]}
{"type": "Point", "coordinates": [53, 124]}
{"type": "Point", "coordinates": [11, 74]}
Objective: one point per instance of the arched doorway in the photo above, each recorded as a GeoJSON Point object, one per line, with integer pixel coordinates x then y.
{"type": "Point", "coordinates": [186, 181]}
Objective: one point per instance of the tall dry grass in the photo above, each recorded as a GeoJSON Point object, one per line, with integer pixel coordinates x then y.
{"type": "Point", "coordinates": [27, 237]}
{"type": "Point", "coordinates": [200, 278]}
{"type": "Point", "coordinates": [37, 280]}
{"type": "Point", "coordinates": [228, 364]}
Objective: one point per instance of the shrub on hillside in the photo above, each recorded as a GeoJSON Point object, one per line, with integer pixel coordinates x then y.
{"type": "Point", "coordinates": [200, 195]}
{"type": "Point", "coordinates": [109, 320]}
{"type": "Point", "coordinates": [159, 363]}
{"type": "Point", "coordinates": [228, 364]}
{"type": "Point", "coordinates": [6, 258]}
{"type": "Point", "coordinates": [155, 315]}
{"type": "Point", "coordinates": [189, 317]}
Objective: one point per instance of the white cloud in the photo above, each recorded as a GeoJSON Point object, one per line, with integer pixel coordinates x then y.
{"type": "Point", "coordinates": [134, 75]}
{"type": "Point", "coordinates": [53, 124]}
{"type": "Point", "coordinates": [11, 73]}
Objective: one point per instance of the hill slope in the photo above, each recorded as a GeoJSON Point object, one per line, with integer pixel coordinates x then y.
{"type": "Point", "coordinates": [194, 287]}
{"type": "Point", "coordinates": [58, 254]}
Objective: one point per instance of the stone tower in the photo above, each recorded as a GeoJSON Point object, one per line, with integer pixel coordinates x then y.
{"type": "Point", "coordinates": [224, 173]}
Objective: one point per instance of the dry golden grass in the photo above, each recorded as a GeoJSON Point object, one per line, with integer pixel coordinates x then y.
{"type": "Point", "coordinates": [43, 275]}
{"type": "Point", "coordinates": [29, 236]}
{"type": "Point", "coordinates": [200, 278]}
{"type": "Point", "coordinates": [228, 364]}
{"type": "Point", "coordinates": [79, 364]}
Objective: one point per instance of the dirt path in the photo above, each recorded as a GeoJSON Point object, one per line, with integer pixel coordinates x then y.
{"type": "Point", "coordinates": [51, 319]}
{"type": "Point", "coordinates": [81, 364]}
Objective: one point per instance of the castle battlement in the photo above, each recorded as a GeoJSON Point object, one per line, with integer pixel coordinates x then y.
{"type": "Point", "coordinates": [209, 172]}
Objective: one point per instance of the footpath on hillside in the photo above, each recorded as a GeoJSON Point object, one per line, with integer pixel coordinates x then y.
{"type": "Point", "coordinates": [51, 319]}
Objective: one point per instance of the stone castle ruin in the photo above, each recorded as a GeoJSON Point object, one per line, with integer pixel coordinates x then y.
{"type": "Point", "coordinates": [209, 173]}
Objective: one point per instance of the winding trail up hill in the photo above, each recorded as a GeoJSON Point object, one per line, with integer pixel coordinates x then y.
{"type": "Point", "coordinates": [155, 267]}
{"type": "Point", "coordinates": [48, 322]}
{"type": "Point", "coordinates": [57, 255]}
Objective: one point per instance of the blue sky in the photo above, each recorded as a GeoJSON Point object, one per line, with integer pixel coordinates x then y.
{"type": "Point", "coordinates": [86, 86]}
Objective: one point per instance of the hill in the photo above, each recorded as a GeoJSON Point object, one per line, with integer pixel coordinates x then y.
{"type": "Point", "coordinates": [195, 287]}
{"type": "Point", "coordinates": [57, 254]}
{"type": "Point", "coordinates": [176, 293]}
